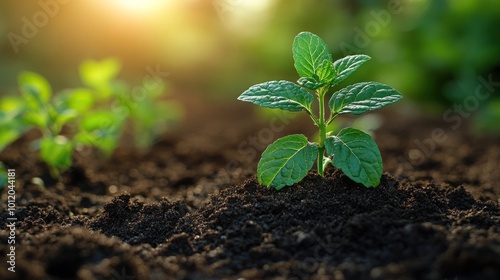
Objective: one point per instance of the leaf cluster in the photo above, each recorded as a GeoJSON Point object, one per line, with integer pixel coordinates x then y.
{"type": "Point", "coordinates": [81, 117]}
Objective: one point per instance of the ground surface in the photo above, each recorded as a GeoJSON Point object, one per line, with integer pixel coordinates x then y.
{"type": "Point", "coordinates": [191, 209]}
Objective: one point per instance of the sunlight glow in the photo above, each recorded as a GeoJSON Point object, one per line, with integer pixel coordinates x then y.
{"type": "Point", "coordinates": [246, 16]}
{"type": "Point", "coordinates": [257, 5]}
{"type": "Point", "coordinates": [139, 6]}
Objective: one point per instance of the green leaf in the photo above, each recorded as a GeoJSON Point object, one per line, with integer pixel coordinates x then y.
{"type": "Point", "coordinates": [309, 52]}
{"type": "Point", "coordinates": [310, 83]}
{"type": "Point", "coordinates": [65, 116]}
{"type": "Point", "coordinates": [100, 129]}
{"type": "Point", "coordinates": [56, 152]}
{"type": "Point", "coordinates": [326, 72]}
{"type": "Point", "coordinates": [283, 95]}
{"type": "Point", "coordinates": [10, 131]}
{"type": "Point", "coordinates": [362, 97]}
{"type": "Point", "coordinates": [36, 92]}
{"type": "Point", "coordinates": [286, 161]}
{"type": "Point", "coordinates": [347, 65]}
{"type": "Point", "coordinates": [79, 99]}
{"type": "Point", "coordinates": [35, 104]}
{"type": "Point", "coordinates": [36, 118]}
{"type": "Point", "coordinates": [101, 120]}
{"type": "Point", "coordinates": [98, 73]}
{"type": "Point", "coordinates": [11, 107]}
{"type": "Point", "coordinates": [35, 87]}
{"type": "Point", "coordinates": [357, 155]}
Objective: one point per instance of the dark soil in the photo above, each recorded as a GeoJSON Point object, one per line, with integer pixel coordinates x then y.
{"type": "Point", "coordinates": [191, 209]}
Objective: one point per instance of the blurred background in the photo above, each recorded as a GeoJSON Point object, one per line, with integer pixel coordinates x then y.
{"type": "Point", "coordinates": [437, 53]}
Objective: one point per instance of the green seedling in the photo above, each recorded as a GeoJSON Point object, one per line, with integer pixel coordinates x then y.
{"type": "Point", "coordinates": [102, 127]}
{"type": "Point", "coordinates": [289, 159]}
{"type": "Point", "coordinates": [82, 116]}
{"type": "Point", "coordinates": [66, 121]}
{"type": "Point", "coordinates": [100, 76]}
{"type": "Point", "coordinates": [50, 114]}
{"type": "Point", "coordinates": [147, 112]}
{"type": "Point", "coordinates": [143, 107]}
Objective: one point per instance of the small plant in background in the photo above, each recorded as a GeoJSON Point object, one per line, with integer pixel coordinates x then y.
{"type": "Point", "coordinates": [152, 116]}
{"type": "Point", "coordinates": [49, 115]}
{"type": "Point", "coordinates": [149, 115]}
{"type": "Point", "coordinates": [101, 128]}
{"type": "Point", "coordinates": [288, 160]}
{"type": "Point", "coordinates": [100, 77]}
{"type": "Point", "coordinates": [82, 116]}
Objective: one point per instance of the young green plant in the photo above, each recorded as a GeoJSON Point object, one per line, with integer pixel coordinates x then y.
{"type": "Point", "coordinates": [143, 107]}
{"type": "Point", "coordinates": [81, 117]}
{"type": "Point", "coordinates": [39, 109]}
{"type": "Point", "coordinates": [289, 159]}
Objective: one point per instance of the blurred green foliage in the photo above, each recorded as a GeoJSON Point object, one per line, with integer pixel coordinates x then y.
{"type": "Point", "coordinates": [432, 50]}
{"type": "Point", "coordinates": [149, 114]}
{"type": "Point", "coordinates": [92, 116]}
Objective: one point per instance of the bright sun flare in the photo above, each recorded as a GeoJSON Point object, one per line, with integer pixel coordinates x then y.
{"type": "Point", "coordinates": [139, 5]}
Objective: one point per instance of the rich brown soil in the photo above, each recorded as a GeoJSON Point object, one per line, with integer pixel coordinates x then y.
{"type": "Point", "coordinates": [191, 209]}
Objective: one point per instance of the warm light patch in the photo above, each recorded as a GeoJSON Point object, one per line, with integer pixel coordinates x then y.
{"type": "Point", "coordinates": [243, 16]}
{"type": "Point", "coordinates": [139, 6]}
{"type": "Point", "coordinates": [257, 5]}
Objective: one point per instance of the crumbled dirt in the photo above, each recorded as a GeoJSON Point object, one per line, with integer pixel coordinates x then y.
{"type": "Point", "coordinates": [191, 208]}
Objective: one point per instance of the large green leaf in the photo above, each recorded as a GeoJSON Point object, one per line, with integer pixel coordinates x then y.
{"type": "Point", "coordinates": [309, 52]}
{"type": "Point", "coordinates": [362, 97]}
{"type": "Point", "coordinates": [35, 86]}
{"type": "Point", "coordinates": [56, 152]}
{"type": "Point", "coordinates": [357, 155]}
{"type": "Point", "coordinates": [347, 65]}
{"type": "Point", "coordinates": [286, 161]}
{"type": "Point", "coordinates": [284, 95]}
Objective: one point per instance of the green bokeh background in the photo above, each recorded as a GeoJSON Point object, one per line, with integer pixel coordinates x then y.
{"type": "Point", "coordinates": [431, 51]}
